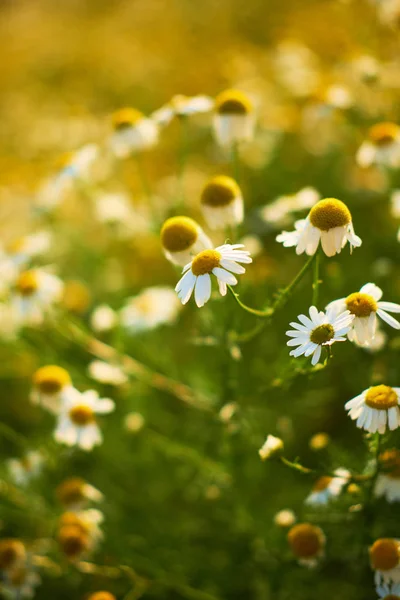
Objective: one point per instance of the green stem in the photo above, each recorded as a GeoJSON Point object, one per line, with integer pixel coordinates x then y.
{"type": "Point", "coordinates": [281, 299]}
{"type": "Point", "coordinates": [9, 433]}
{"type": "Point", "coordinates": [316, 280]}
{"type": "Point", "coordinates": [235, 160]}
{"type": "Point", "coordinates": [296, 466]}
{"type": "Point", "coordinates": [182, 156]}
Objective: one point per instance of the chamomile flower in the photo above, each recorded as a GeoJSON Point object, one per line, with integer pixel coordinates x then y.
{"type": "Point", "coordinates": [365, 305]}
{"type": "Point", "coordinates": [382, 146]}
{"type": "Point", "coordinates": [279, 211]}
{"type": "Point", "coordinates": [151, 308]}
{"type": "Point", "coordinates": [272, 445]}
{"type": "Point", "coordinates": [12, 554]}
{"type": "Point", "coordinates": [233, 118]}
{"type": "Point", "coordinates": [221, 262]}
{"type": "Point", "coordinates": [182, 238]}
{"type": "Point", "coordinates": [328, 222]}
{"type": "Point", "coordinates": [51, 386]}
{"type": "Point", "coordinates": [384, 557]}
{"type": "Point", "coordinates": [21, 250]}
{"type": "Point", "coordinates": [285, 518]}
{"type": "Point", "coordinates": [103, 318]}
{"type": "Point", "coordinates": [388, 481]}
{"type": "Point", "coordinates": [376, 408]}
{"type": "Point", "coordinates": [106, 373]}
{"type": "Point", "coordinates": [35, 292]}
{"type": "Point", "coordinates": [23, 470]}
{"type": "Point", "coordinates": [182, 106]}
{"type": "Point", "coordinates": [307, 542]}
{"type": "Point", "coordinates": [77, 420]}
{"type": "Point", "coordinates": [133, 132]}
{"type": "Point", "coordinates": [21, 583]}
{"type": "Point", "coordinates": [222, 203]}
{"type": "Point", "coordinates": [326, 488]}
{"type": "Point", "coordinates": [74, 493]}
{"type": "Point", "coordinates": [389, 591]}
{"type": "Point", "coordinates": [318, 330]}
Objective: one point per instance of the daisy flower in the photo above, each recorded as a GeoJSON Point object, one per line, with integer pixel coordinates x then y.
{"type": "Point", "coordinates": [182, 106]}
{"type": "Point", "coordinates": [321, 329]}
{"type": "Point", "coordinates": [133, 132]}
{"type": "Point", "coordinates": [51, 385]}
{"type": "Point", "coordinates": [234, 120]}
{"type": "Point", "coordinates": [327, 488]}
{"type": "Point", "coordinates": [388, 481]}
{"type": "Point", "coordinates": [375, 408]}
{"type": "Point", "coordinates": [382, 146]}
{"type": "Point", "coordinates": [151, 308]}
{"type": "Point", "coordinates": [307, 542]}
{"type": "Point", "coordinates": [285, 518]}
{"type": "Point", "coordinates": [35, 292]}
{"type": "Point", "coordinates": [182, 238]}
{"type": "Point", "coordinates": [328, 222]}
{"type": "Point", "coordinates": [21, 250]}
{"type": "Point", "coordinates": [74, 493]}
{"type": "Point", "coordinates": [103, 318]}
{"type": "Point", "coordinates": [21, 583]}
{"type": "Point", "coordinates": [77, 420]}
{"type": "Point", "coordinates": [365, 305]}
{"type": "Point", "coordinates": [222, 203]}
{"type": "Point", "coordinates": [23, 470]}
{"type": "Point", "coordinates": [389, 591]}
{"type": "Point", "coordinates": [12, 554]}
{"type": "Point", "coordinates": [104, 372]}
{"type": "Point", "coordinates": [221, 262]}
{"type": "Point", "coordinates": [384, 556]}
{"type": "Point", "coordinates": [279, 211]}
{"type": "Point", "coordinates": [271, 446]}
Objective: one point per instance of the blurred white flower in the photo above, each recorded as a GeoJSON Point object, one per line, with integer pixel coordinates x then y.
{"type": "Point", "coordinates": [35, 293]}
{"type": "Point", "coordinates": [221, 262]}
{"type": "Point", "coordinates": [21, 250]}
{"type": "Point", "coordinates": [271, 446]}
{"type": "Point", "coordinates": [77, 420]}
{"type": "Point", "coordinates": [297, 68]}
{"type": "Point", "coordinates": [21, 583]}
{"type": "Point", "coordinates": [103, 372]}
{"type": "Point", "coordinates": [395, 204]}
{"type": "Point", "coordinates": [103, 318]}
{"type": "Point", "coordinates": [222, 203]}
{"type": "Point", "coordinates": [23, 470]}
{"type": "Point", "coordinates": [75, 493]}
{"type": "Point", "coordinates": [387, 484]}
{"type": "Point", "coordinates": [154, 306]}
{"type": "Point", "coordinates": [318, 330]}
{"type": "Point", "coordinates": [382, 146]}
{"type": "Point", "coordinates": [329, 221]}
{"type": "Point", "coordinates": [133, 132]}
{"type": "Point", "coordinates": [326, 488]}
{"type": "Point", "coordinates": [389, 591]}
{"type": "Point", "coordinates": [51, 385]}
{"type": "Point", "coordinates": [182, 106]}
{"type": "Point", "coordinates": [234, 119]}
{"type": "Point", "coordinates": [376, 408]}
{"type": "Point", "coordinates": [285, 518]}
{"type": "Point", "coordinates": [134, 422]}
{"type": "Point", "coordinates": [113, 208]}
{"type": "Point", "coordinates": [279, 211]}
{"type": "Point", "coordinates": [365, 305]}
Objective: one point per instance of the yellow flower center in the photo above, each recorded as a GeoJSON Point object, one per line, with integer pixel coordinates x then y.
{"type": "Point", "coordinates": [322, 483]}
{"type": "Point", "coordinates": [330, 213]}
{"type": "Point", "coordinates": [361, 305]}
{"type": "Point", "coordinates": [233, 102]}
{"type": "Point", "coordinates": [220, 191]}
{"type": "Point", "coordinates": [15, 246]}
{"type": "Point", "coordinates": [305, 540]}
{"type": "Point", "coordinates": [71, 491]}
{"type": "Point", "coordinates": [381, 397]}
{"type": "Point", "coordinates": [72, 540]}
{"type": "Point", "coordinates": [81, 415]}
{"type": "Point", "coordinates": [391, 597]}
{"type": "Point", "coordinates": [390, 460]}
{"type": "Point", "coordinates": [384, 554]}
{"type": "Point", "coordinates": [322, 334]}
{"type": "Point", "coordinates": [179, 234]}
{"type": "Point", "coordinates": [27, 283]}
{"type": "Point", "coordinates": [126, 117]}
{"type": "Point", "coordinates": [384, 134]}
{"type": "Point", "coordinates": [11, 552]}
{"type": "Point", "coordinates": [205, 262]}
{"type": "Point", "coordinates": [101, 596]}
{"type": "Point", "coordinates": [51, 379]}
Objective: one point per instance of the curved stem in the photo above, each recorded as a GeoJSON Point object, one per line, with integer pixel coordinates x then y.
{"type": "Point", "coordinates": [316, 280]}
{"type": "Point", "coordinates": [296, 466]}
{"type": "Point", "coordinates": [253, 311]}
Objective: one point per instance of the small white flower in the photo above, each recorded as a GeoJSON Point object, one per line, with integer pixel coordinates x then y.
{"type": "Point", "coordinates": [103, 372]}
{"type": "Point", "coordinates": [222, 203]}
{"type": "Point", "coordinates": [113, 208]}
{"type": "Point", "coordinates": [75, 493]}
{"type": "Point", "coordinates": [279, 211]}
{"type": "Point", "coordinates": [384, 556]}
{"type": "Point", "coordinates": [154, 306]}
{"type": "Point", "coordinates": [328, 222]}
{"type": "Point", "coordinates": [23, 470]}
{"type": "Point", "coordinates": [285, 518]}
{"type": "Point", "coordinates": [182, 238]}
{"type": "Point", "coordinates": [376, 408]}
{"type": "Point", "coordinates": [77, 421]}
{"type": "Point", "coordinates": [133, 132]}
{"type": "Point", "coordinates": [182, 106]}
{"type": "Point", "coordinates": [327, 488]}
{"type": "Point", "coordinates": [35, 293]}
{"type": "Point", "coordinates": [51, 386]}
{"type": "Point", "coordinates": [382, 146]}
{"type": "Point", "coordinates": [395, 204]}
{"type": "Point", "coordinates": [388, 480]}
{"type": "Point", "coordinates": [234, 120]}
{"type": "Point", "coordinates": [134, 422]}
{"type": "Point", "coordinates": [365, 305]}
{"type": "Point", "coordinates": [21, 583]}
{"type": "Point", "coordinates": [21, 250]}
{"type": "Point", "coordinates": [320, 329]}
{"type": "Point", "coordinates": [307, 542]}
{"type": "Point", "coordinates": [271, 446]}
{"type": "Point", "coordinates": [389, 591]}
{"type": "Point", "coordinates": [103, 318]}
{"type": "Point", "coordinates": [221, 262]}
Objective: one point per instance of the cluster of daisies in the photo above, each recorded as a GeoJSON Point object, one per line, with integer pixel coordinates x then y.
{"type": "Point", "coordinates": [76, 411]}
